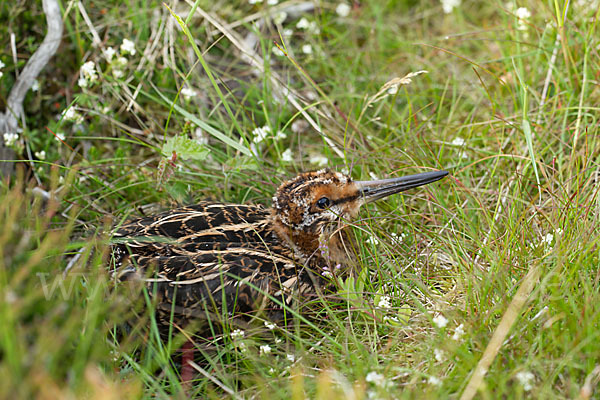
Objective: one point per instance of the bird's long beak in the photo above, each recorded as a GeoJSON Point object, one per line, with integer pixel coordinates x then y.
{"type": "Point", "coordinates": [375, 190]}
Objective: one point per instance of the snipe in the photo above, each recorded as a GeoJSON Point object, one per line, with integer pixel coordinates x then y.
{"type": "Point", "coordinates": [224, 260]}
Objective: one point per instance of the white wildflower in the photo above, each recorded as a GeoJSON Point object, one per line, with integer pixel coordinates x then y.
{"type": "Point", "coordinates": [319, 160]}
{"type": "Point", "coordinates": [254, 1]}
{"type": "Point", "coordinates": [397, 239]}
{"type": "Point", "coordinates": [375, 378]}
{"type": "Point", "coordinates": [372, 240]}
{"type": "Point", "coordinates": [278, 340]}
{"type": "Point", "coordinates": [458, 141]}
{"type": "Point", "coordinates": [309, 26]}
{"type": "Point", "coordinates": [109, 53]}
{"type": "Point", "coordinates": [188, 93]}
{"type": "Point", "coordinates": [440, 321]}
{"type": "Point", "coordinates": [1, 74]}
{"type": "Point", "coordinates": [242, 347]}
{"type": "Point", "coordinates": [118, 73]}
{"type": "Point", "coordinates": [272, 2]}
{"type": "Point", "coordinates": [526, 379]}
{"type": "Point", "coordinates": [287, 156]}
{"type": "Point", "coordinates": [40, 155]}
{"type": "Point", "coordinates": [343, 10]}
{"type": "Point", "coordinates": [387, 318]}
{"type": "Point", "coordinates": [287, 32]}
{"type": "Point", "coordinates": [60, 137]}
{"type": "Point", "coordinates": [280, 135]}
{"type": "Point", "coordinates": [291, 357]}
{"type": "Point", "coordinates": [261, 133]}
{"type": "Point", "coordinates": [384, 302]}
{"type": "Point", "coordinates": [373, 176]}
{"type": "Point", "coordinates": [547, 239]}
{"type": "Point", "coordinates": [439, 355]}
{"type": "Point", "coordinates": [10, 139]}
{"type": "Point", "coordinates": [307, 49]}
{"type": "Point", "coordinates": [2, 65]}
{"type": "Point", "coordinates": [523, 14]}
{"type": "Point", "coordinates": [270, 325]}
{"type": "Point", "coordinates": [71, 115]}
{"type": "Point", "coordinates": [35, 86]}
{"type": "Point", "coordinates": [279, 18]}
{"type": "Point", "coordinates": [458, 332]}
{"type": "Point", "coordinates": [449, 5]}
{"type": "Point", "coordinates": [120, 62]}
{"type": "Point", "coordinates": [128, 47]}
{"type": "Point", "coordinates": [237, 334]}
{"type": "Point", "coordinates": [558, 231]}
{"type": "Point", "coordinates": [303, 23]}
{"type": "Point", "coordinates": [277, 51]}
{"type": "Point", "coordinates": [87, 74]}
{"type": "Point", "coordinates": [435, 381]}
{"type": "Point", "coordinates": [265, 349]}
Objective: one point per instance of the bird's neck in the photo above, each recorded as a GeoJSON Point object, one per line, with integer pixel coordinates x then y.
{"type": "Point", "coordinates": [316, 248]}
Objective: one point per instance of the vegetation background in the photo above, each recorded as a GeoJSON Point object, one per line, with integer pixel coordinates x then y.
{"type": "Point", "coordinates": [485, 283]}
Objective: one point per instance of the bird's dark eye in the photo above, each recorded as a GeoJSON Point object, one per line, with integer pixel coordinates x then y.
{"type": "Point", "coordinates": [323, 203]}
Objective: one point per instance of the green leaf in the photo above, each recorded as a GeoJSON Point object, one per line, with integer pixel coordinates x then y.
{"type": "Point", "coordinates": [185, 148]}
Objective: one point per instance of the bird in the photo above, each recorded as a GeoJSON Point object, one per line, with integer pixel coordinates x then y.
{"type": "Point", "coordinates": [215, 261]}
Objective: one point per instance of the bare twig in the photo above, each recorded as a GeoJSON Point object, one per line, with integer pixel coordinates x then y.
{"type": "Point", "coordinates": [9, 120]}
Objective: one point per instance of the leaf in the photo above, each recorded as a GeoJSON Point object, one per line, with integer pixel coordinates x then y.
{"type": "Point", "coordinates": [184, 148]}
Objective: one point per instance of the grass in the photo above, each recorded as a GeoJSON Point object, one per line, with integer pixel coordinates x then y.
{"type": "Point", "coordinates": [507, 248]}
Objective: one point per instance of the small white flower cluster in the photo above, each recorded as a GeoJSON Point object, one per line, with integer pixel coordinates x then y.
{"type": "Point", "coordinates": [261, 133]}
{"type": "Point", "coordinates": [287, 156]}
{"type": "Point", "coordinates": [308, 26]}
{"type": "Point", "coordinates": [375, 378]}
{"type": "Point", "coordinates": [118, 63]}
{"type": "Point", "coordinates": [449, 5]}
{"type": "Point", "coordinates": [434, 381]}
{"type": "Point", "coordinates": [270, 325]}
{"type": "Point", "coordinates": [40, 155]}
{"type": "Point", "coordinates": [459, 331]}
{"type": "Point", "coordinates": [237, 336]}
{"type": "Point", "coordinates": [440, 321]}
{"type": "Point", "coordinates": [384, 302]}
{"type": "Point", "coordinates": [439, 355]}
{"type": "Point", "coordinates": [87, 74]}
{"type": "Point", "coordinates": [70, 114]}
{"type": "Point", "coordinates": [60, 137]}
{"type": "Point", "coordinates": [269, 2]}
{"type": "Point", "coordinates": [526, 379]}
{"type": "Point", "coordinates": [264, 349]}
{"type": "Point", "coordinates": [343, 10]}
{"type": "Point", "coordinates": [319, 160]}
{"type": "Point", "coordinates": [372, 240]}
{"type": "Point", "coordinates": [523, 14]}
{"type": "Point", "coordinates": [188, 92]}
{"type": "Point", "coordinates": [548, 239]}
{"type": "Point", "coordinates": [458, 141]}
{"type": "Point", "coordinates": [2, 65]}
{"type": "Point", "coordinates": [397, 239]}
{"type": "Point", "coordinates": [10, 139]}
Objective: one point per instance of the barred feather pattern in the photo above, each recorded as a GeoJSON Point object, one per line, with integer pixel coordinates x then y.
{"type": "Point", "coordinates": [221, 258]}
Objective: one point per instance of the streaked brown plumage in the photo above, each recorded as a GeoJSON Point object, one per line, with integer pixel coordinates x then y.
{"type": "Point", "coordinates": [228, 259]}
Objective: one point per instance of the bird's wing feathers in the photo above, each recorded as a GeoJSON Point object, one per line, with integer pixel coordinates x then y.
{"type": "Point", "coordinates": [207, 255]}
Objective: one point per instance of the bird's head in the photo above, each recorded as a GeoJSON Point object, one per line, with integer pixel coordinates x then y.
{"type": "Point", "coordinates": [309, 203]}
